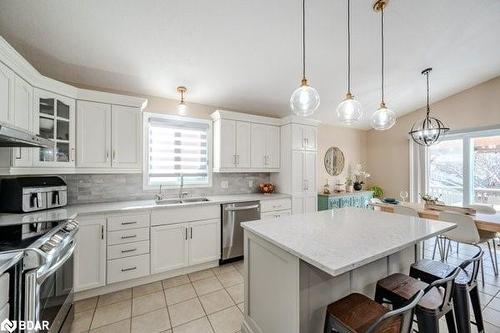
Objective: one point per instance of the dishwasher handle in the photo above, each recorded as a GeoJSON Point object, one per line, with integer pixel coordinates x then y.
{"type": "Point", "coordinates": [232, 209]}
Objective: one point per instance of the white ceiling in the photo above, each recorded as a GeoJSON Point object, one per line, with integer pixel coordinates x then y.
{"type": "Point", "coordinates": [245, 54]}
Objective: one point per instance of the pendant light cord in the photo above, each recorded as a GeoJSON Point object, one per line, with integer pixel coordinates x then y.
{"type": "Point", "coordinates": [428, 107]}
{"type": "Point", "coordinates": [349, 47]}
{"type": "Point", "coordinates": [303, 39]}
{"type": "Point", "coordinates": [382, 35]}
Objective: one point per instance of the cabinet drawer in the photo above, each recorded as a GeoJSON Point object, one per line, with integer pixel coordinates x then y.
{"type": "Point", "coordinates": [128, 250]}
{"type": "Point", "coordinates": [128, 236]}
{"type": "Point", "coordinates": [4, 289]}
{"type": "Point", "coordinates": [128, 222]}
{"type": "Point", "coordinates": [278, 204]}
{"type": "Point", "coordinates": [185, 214]}
{"type": "Point", "coordinates": [277, 214]}
{"type": "Point", "coordinates": [128, 268]}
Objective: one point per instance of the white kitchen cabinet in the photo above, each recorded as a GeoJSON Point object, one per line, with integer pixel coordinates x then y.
{"type": "Point", "coordinates": [93, 139]}
{"type": "Point", "coordinates": [304, 137]}
{"type": "Point", "coordinates": [298, 163]}
{"type": "Point", "coordinates": [265, 147]}
{"type": "Point", "coordinates": [54, 119]}
{"type": "Point", "coordinates": [232, 145]}
{"type": "Point", "coordinates": [23, 118]}
{"type": "Point", "coordinates": [108, 136]}
{"type": "Point", "coordinates": [204, 241]}
{"type": "Point", "coordinates": [6, 94]}
{"type": "Point", "coordinates": [245, 143]}
{"type": "Point", "coordinates": [179, 245]}
{"type": "Point", "coordinates": [126, 129]}
{"type": "Point", "coordinates": [90, 254]}
{"type": "Point", "coordinates": [169, 247]}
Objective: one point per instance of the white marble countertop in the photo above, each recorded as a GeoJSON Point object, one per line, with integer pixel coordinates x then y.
{"type": "Point", "coordinates": [337, 241]}
{"type": "Point", "coordinates": [73, 211]}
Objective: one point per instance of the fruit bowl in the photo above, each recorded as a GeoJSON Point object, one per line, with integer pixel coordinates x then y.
{"type": "Point", "coordinates": [266, 188]}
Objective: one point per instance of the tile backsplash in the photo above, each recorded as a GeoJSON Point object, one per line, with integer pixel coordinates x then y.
{"type": "Point", "coordinates": [85, 188]}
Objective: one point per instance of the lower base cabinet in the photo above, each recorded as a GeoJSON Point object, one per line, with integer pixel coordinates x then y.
{"type": "Point", "coordinates": [304, 204]}
{"type": "Point", "coordinates": [128, 268]}
{"type": "Point", "coordinates": [179, 245]}
{"type": "Point", "coordinates": [90, 254]}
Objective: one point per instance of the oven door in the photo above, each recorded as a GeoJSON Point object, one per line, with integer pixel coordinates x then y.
{"type": "Point", "coordinates": [49, 293]}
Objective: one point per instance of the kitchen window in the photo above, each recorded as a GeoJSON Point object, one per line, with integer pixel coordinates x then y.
{"type": "Point", "coordinates": [464, 168]}
{"type": "Point", "coordinates": [175, 148]}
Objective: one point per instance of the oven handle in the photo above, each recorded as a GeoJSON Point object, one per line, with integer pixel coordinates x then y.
{"type": "Point", "coordinates": [57, 265]}
{"type": "Point", "coordinates": [232, 209]}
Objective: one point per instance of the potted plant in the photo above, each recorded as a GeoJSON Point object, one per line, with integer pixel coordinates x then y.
{"type": "Point", "coordinates": [378, 192]}
{"type": "Point", "coordinates": [349, 184]}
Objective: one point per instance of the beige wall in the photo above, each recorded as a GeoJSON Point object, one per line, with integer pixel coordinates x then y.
{"type": "Point", "coordinates": [388, 153]}
{"type": "Point", "coordinates": [352, 142]}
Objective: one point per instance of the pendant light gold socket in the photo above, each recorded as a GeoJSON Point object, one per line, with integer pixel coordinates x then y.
{"type": "Point", "coordinates": [382, 105]}
{"type": "Point", "coordinates": [181, 89]}
{"type": "Point", "coordinates": [304, 82]}
{"type": "Point", "coordinates": [378, 5]}
{"type": "Point", "coordinates": [349, 96]}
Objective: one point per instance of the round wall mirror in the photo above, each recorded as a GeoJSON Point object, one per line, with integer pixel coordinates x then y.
{"type": "Point", "coordinates": [334, 161]}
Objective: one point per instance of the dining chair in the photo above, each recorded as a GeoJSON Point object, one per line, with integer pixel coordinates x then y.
{"type": "Point", "coordinates": [466, 232]}
{"type": "Point", "coordinates": [408, 211]}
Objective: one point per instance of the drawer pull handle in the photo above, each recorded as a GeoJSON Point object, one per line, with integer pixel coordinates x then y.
{"type": "Point", "coordinates": [128, 223]}
{"type": "Point", "coordinates": [127, 237]}
{"type": "Point", "coordinates": [129, 269]}
{"type": "Point", "coordinates": [129, 250]}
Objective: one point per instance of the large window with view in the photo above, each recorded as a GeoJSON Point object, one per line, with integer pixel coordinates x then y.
{"type": "Point", "coordinates": [177, 149]}
{"type": "Point", "coordinates": [465, 168]}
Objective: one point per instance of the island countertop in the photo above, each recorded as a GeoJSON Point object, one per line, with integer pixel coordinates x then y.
{"type": "Point", "coordinates": [340, 240]}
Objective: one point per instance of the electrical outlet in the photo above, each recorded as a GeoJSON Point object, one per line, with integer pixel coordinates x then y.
{"type": "Point", "coordinates": [224, 184]}
{"type": "Point", "coordinates": [250, 183]}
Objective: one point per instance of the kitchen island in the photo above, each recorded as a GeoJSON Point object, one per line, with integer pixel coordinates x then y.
{"type": "Point", "coordinates": [296, 265]}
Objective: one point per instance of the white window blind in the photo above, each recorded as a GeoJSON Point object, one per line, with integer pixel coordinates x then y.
{"type": "Point", "coordinates": [178, 147]}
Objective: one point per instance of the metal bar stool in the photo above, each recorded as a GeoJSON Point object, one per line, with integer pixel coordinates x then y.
{"type": "Point", "coordinates": [465, 284]}
{"type": "Point", "coordinates": [357, 313]}
{"type": "Point", "coordinates": [436, 302]}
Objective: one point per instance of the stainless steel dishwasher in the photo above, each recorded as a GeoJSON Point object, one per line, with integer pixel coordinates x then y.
{"type": "Point", "coordinates": [233, 215]}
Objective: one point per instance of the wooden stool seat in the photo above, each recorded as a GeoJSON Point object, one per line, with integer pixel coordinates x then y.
{"type": "Point", "coordinates": [399, 288]}
{"type": "Point", "coordinates": [357, 313]}
{"type": "Point", "coordinates": [465, 287]}
{"type": "Point", "coordinates": [429, 271]}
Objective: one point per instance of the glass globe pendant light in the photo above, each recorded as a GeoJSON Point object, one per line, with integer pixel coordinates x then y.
{"type": "Point", "coordinates": [383, 118]}
{"type": "Point", "coordinates": [349, 110]}
{"type": "Point", "coordinates": [428, 131]}
{"type": "Point", "coordinates": [305, 99]}
{"type": "Point", "coordinates": [182, 107]}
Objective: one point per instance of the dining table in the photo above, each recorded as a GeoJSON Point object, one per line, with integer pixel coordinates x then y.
{"type": "Point", "coordinates": [485, 222]}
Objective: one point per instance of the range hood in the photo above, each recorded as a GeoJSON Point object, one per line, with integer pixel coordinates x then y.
{"type": "Point", "coordinates": [11, 136]}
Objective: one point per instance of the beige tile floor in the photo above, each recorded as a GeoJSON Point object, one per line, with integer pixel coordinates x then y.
{"type": "Point", "coordinates": [208, 301]}
{"type": "Point", "coordinates": [212, 301]}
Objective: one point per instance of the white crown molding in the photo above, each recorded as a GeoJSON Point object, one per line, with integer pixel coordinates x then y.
{"type": "Point", "coordinates": [232, 115]}
{"type": "Point", "coordinates": [15, 61]}
{"type": "Point", "coordinates": [299, 120]}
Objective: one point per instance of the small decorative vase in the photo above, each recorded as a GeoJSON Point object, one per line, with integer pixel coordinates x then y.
{"type": "Point", "coordinates": [358, 186]}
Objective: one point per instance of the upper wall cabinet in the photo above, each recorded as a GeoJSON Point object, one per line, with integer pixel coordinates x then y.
{"type": "Point", "coordinates": [108, 136]}
{"type": "Point", "coordinates": [265, 152]}
{"type": "Point", "coordinates": [304, 137]}
{"type": "Point", "coordinates": [54, 119]}
{"type": "Point", "coordinates": [245, 143]}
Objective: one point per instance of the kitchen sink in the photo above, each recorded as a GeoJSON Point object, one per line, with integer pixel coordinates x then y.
{"type": "Point", "coordinates": [177, 201]}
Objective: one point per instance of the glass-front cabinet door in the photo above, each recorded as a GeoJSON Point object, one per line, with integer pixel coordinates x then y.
{"type": "Point", "coordinates": [55, 120]}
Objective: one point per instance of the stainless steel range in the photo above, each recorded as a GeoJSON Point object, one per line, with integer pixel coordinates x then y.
{"type": "Point", "coordinates": [46, 292]}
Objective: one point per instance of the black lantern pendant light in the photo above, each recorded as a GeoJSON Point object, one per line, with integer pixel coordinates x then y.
{"type": "Point", "coordinates": [429, 130]}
